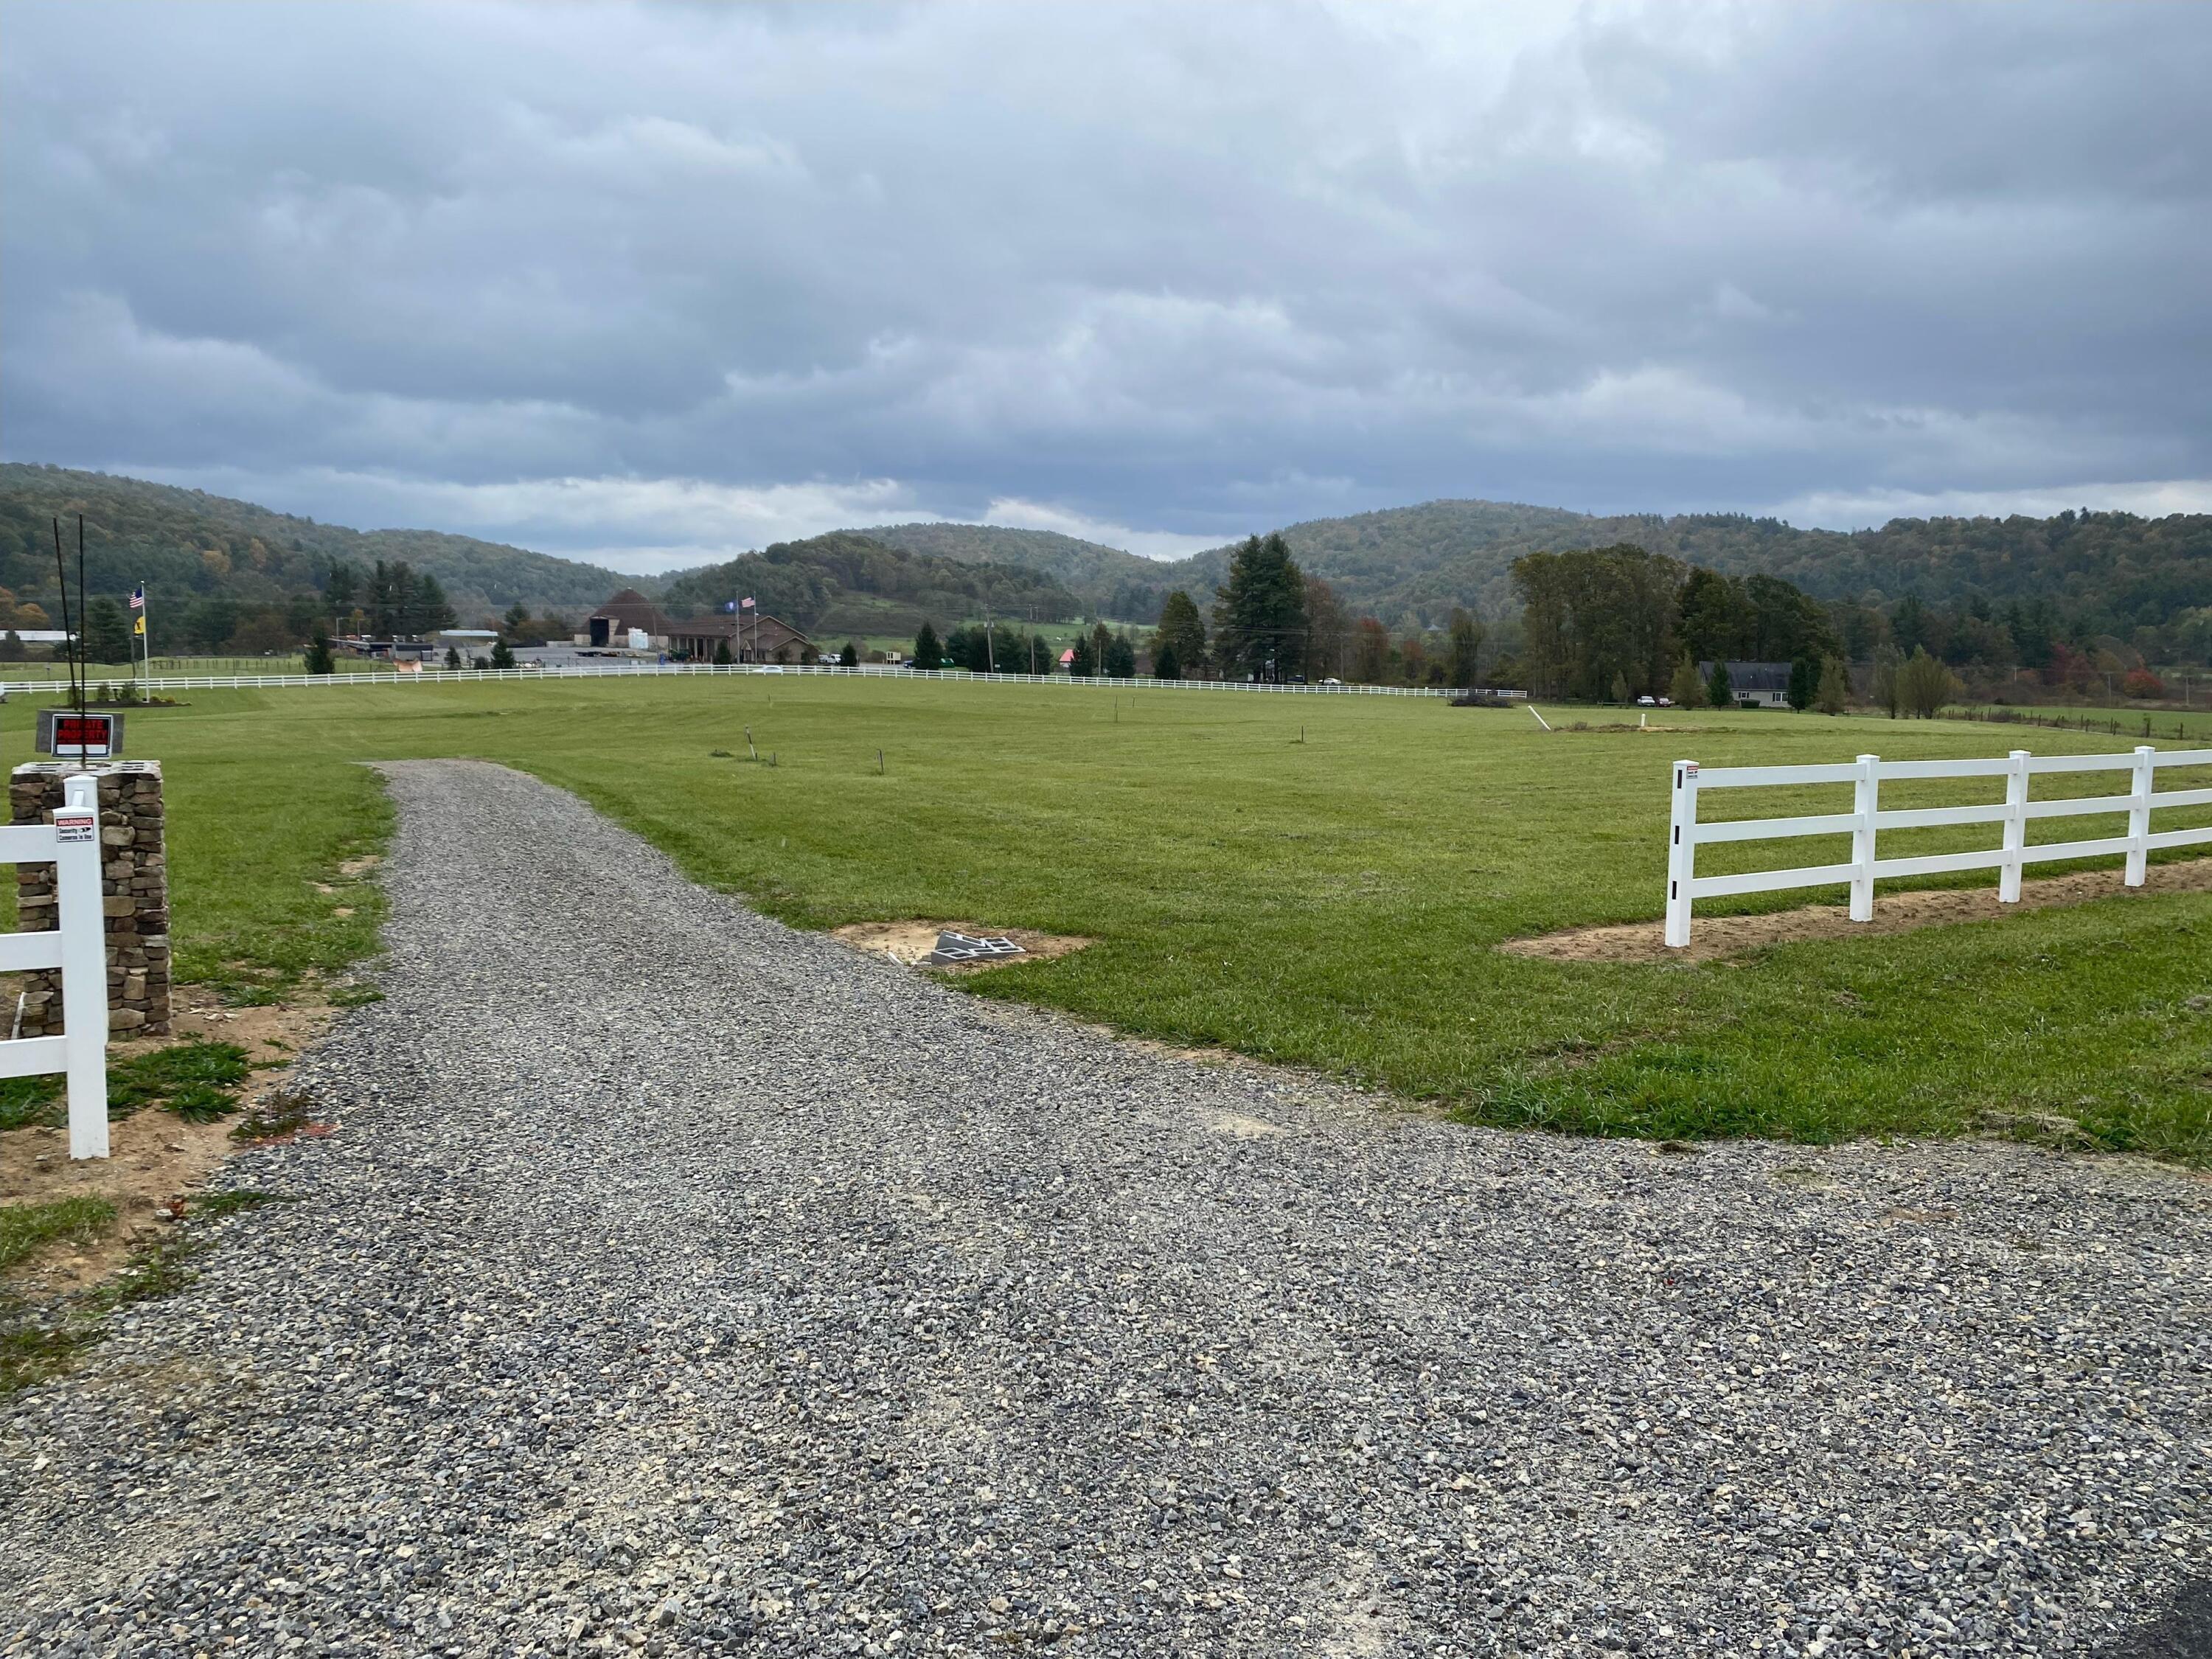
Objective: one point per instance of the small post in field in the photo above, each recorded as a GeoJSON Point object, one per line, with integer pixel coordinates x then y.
{"type": "Point", "coordinates": [1681, 850]}
{"type": "Point", "coordinates": [2016, 828]}
{"type": "Point", "coordinates": [1547, 725]}
{"type": "Point", "coordinates": [2139, 816]}
{"type": "Point", "coordinates": [880, 763]}
{"type": "Point", "coordinates": [1866, 799]}
{"type": "Point", "coordinates": [750, 750]}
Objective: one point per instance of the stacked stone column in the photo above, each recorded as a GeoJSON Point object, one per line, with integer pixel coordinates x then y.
{"type": "Point", "coordinates": [134, 888]}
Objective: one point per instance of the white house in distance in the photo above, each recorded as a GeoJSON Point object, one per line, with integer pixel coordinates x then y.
{"type": "Point", "coordinates": [1754, 684]}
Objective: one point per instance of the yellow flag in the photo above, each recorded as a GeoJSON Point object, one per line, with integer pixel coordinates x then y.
{"type": "Point", "coordinates": [138, 624]}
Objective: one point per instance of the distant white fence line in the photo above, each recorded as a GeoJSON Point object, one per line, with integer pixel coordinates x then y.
{"type": "Point", "coordinates": [619, 671]}
{"type": "Point", "coordinates": [77, 945]}
{"type": "Point", "coordinates": [1867, 819]}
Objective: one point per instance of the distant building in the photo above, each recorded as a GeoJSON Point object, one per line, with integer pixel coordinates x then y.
{"type": "Point", "coordinates": [467, 640]}
{"type": "Point", "coordinates": [754, 637]}
{"type": "Point", "coordinates": [1753, 684]}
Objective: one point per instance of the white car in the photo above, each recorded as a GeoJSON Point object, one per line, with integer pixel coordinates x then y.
{"type": "Point", "coordinates": [1647, 703]}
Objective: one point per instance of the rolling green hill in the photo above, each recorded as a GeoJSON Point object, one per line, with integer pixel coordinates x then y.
{"type": "Point", "coordinates": [2111, 572]}
{"type": "Point", "coordinates": [186, 545]}
{"type": "Point", "coordinates": [849, 583]}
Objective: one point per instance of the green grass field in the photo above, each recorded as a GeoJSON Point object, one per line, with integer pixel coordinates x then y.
{"type": "Point", "coordinates": [1318, 881]}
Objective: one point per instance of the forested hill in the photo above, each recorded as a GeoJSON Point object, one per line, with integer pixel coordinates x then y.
{"type": "Point", "coordinates": [2110, 573]}
{"type": "Point", "coordinates": [185, 544]}
{"type": "Point", "coordinates": [849, 584]}
{"type": "Point", "coordinates": [1123, 584]}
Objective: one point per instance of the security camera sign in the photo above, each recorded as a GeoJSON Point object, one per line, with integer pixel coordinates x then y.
{"type": "Point", "coordinates": [76, 827]}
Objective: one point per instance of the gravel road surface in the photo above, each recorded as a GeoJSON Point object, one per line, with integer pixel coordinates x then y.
{"type": "Point", "coordinates": [678, 1283]}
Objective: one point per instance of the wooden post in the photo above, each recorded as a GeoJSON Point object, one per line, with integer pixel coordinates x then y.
{"type": "Point", "coordinates": [1681, 853]}
{"type": "Point", "coordinates": [2015, 828]}
{"type": "Point", "coordinates": [2146, 769]}
{"type": "Point", "coordinates": [1866, 801]}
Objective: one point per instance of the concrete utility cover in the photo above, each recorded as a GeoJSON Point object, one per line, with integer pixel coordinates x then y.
{"type": "Point", "coordinates": [955, 948]}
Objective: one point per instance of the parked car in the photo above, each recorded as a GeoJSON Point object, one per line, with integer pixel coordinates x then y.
{"type": "Point", "coordinates": [1647, 703]}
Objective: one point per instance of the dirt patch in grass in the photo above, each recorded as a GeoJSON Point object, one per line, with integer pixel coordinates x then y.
{"type": "Point", "coordinates": [908, 942]}
{"type": "Point", "coordinates": [1893, 913]}
{"type": "Point", "coordinates": [157, 1158]}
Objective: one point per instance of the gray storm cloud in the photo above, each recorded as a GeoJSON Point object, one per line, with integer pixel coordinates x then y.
{"type": "Point", "coordinates": [656, 282]}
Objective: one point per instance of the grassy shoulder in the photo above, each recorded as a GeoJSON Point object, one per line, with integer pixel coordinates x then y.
{"type": "Point", "coordinates": [1314, 880]}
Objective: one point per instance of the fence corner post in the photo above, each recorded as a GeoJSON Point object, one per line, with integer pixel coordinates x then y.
{"type": "Point", "coordinates": [1681, 853]}
{"type": "Point", "coordinates": [2016, 828]}
{"type": "Point", "coordinates": [2139, 816]}
{"type": "Point", "coordinates": [80, 916]}
{"type": "Point", "coordinates": [1866, 801]}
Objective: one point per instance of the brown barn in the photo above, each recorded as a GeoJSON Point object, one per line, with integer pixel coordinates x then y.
{"type": "Point", "coordinates": [760, 639]}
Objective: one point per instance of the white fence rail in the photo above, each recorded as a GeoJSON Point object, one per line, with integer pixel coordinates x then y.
{"type": "Point", "coordinates": [655, 669]}
{"type": "Point", "coordinates": [77, 946]}
{"type": "Point", "coordinates": [1868, 819]}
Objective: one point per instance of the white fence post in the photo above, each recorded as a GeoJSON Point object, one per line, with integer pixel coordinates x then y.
{"type": "Point", "coordinates": [1866, 799]}
{"type": "Point", "coordinates": [1681, 853]}
{"type": "Point", "coordinates": [79, 914]}
{"type": "Point", "coordinates": [2016, 828]}
{"type": "Point", "coordinates": [2139, 816]}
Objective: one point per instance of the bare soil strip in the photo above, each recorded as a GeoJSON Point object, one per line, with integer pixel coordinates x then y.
{"type": "Point", "coordinates": [1899, 913]}
{"type": "Point", "coordinates": [908, 942]}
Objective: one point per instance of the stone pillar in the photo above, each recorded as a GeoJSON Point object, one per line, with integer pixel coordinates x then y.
{"type": "Point", "coordinates": [135, 886]}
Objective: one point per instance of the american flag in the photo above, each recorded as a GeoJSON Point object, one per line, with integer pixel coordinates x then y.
{"type": "Point", "coordinates": [138, 597]}
{"type": "Point", "coordinates": [746, 604]}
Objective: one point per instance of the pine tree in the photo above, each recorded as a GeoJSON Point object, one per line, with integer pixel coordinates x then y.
{"type": "Point", "coordinates": [1164, 666]}
{"type": "Point", "coordinates": [722, 652]}
{"type": "Point", "coordinates": [1121, 658]}
{"type": "Point", "coordinates": [1834, 694]}
{"type": "Point", "coordinates": [1719, 692]}
{"type": "Point", "coordinates": [928, 649]}
{"type": "Point", "coordinates": [1466, 643]}
{"type": "Point", "coordinates": [1183, 630]}
{"type": "Point", "coordinates": [502, 654]}
{"type": "Point", "coordinates": [319, 656]}
{"type": "Point", "coordinates": [1804, 684]}
{"type": "Point", "coordinates": [850, 656]}
{"type": "Point", "coordinates": [1259, 613]}
{"type": "Point", "coordinates": [107, 634]}
{"type": "Point", "coordinates": [453, 656]}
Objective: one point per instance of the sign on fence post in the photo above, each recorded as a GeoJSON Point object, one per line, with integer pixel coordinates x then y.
{"type": "Point", "coordinates": [1681, 853]}
{"type": "Point", "coordinates": [78, 915]}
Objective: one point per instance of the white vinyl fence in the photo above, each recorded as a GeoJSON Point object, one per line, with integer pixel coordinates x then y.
{"type": "Point", "coordinates": [77, 945]}
{"type": "Point", "coordinates": [656, 670]}
{"type": "Point", "coordinates": [1867, 819]}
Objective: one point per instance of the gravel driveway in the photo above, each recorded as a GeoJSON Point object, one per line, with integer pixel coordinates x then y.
{"type": "Point", "coordinates": [677, 1282]}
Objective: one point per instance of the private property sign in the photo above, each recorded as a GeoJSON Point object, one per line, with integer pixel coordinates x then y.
{"type": "Point", "coordinates": [67, 735]}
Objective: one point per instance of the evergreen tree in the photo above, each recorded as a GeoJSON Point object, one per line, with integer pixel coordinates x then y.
{"type": "Point", "coordinates": [1466, 643]}
{"type": "Point", "coordinates": [453, 656]}
{"type": "Point", "coordinates": [1834, 693]}
{"type": "Point", "coordinates": [722, 652]}
{"type": "Point", "coordinates": [1688, 690]}
{"type": "Point", "coordinates": [502, 654]}
{"type": "Point", "coordinates": [1183, 630]}
{"type": "Point", "coordinates": [1719, 692]}
{"type": "Point", "coordinates": [107, 634]}
{"type": "Point", "coordinates": [1804, 684]}
{"type": "Point", "coordinates": [1886, 661]}
{"type": "Point", "coordinates": [319, 656]}
{"type": "Point", "coordinates": [1260, 620]}
{"type": "Point", "coordinates": [516, 620]}
{"type": "Point", "coordinates": [928, 650]}
{"type": "Point", "coordinates": [850, 656]}
{"type": "Point", "coordinates": [1085, 662]}
{"type": "Point", "coordinates": [1164, 666]}
{"type": "Point", "coordinates": [1121, 658]}
{"type": "Point", "coordinates": [429, 611]}
{"type": "Point", "coordinates": [1924, 685]}
{"type": "Point", "coordinates": [342, 587]}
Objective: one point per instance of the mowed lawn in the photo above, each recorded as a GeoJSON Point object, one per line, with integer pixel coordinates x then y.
{"type": "Point", "coordinates": [1318, 880]}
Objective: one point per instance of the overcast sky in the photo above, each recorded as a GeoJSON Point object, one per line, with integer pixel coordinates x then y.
{"type": "Point", "coordinates": [650, 284]}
